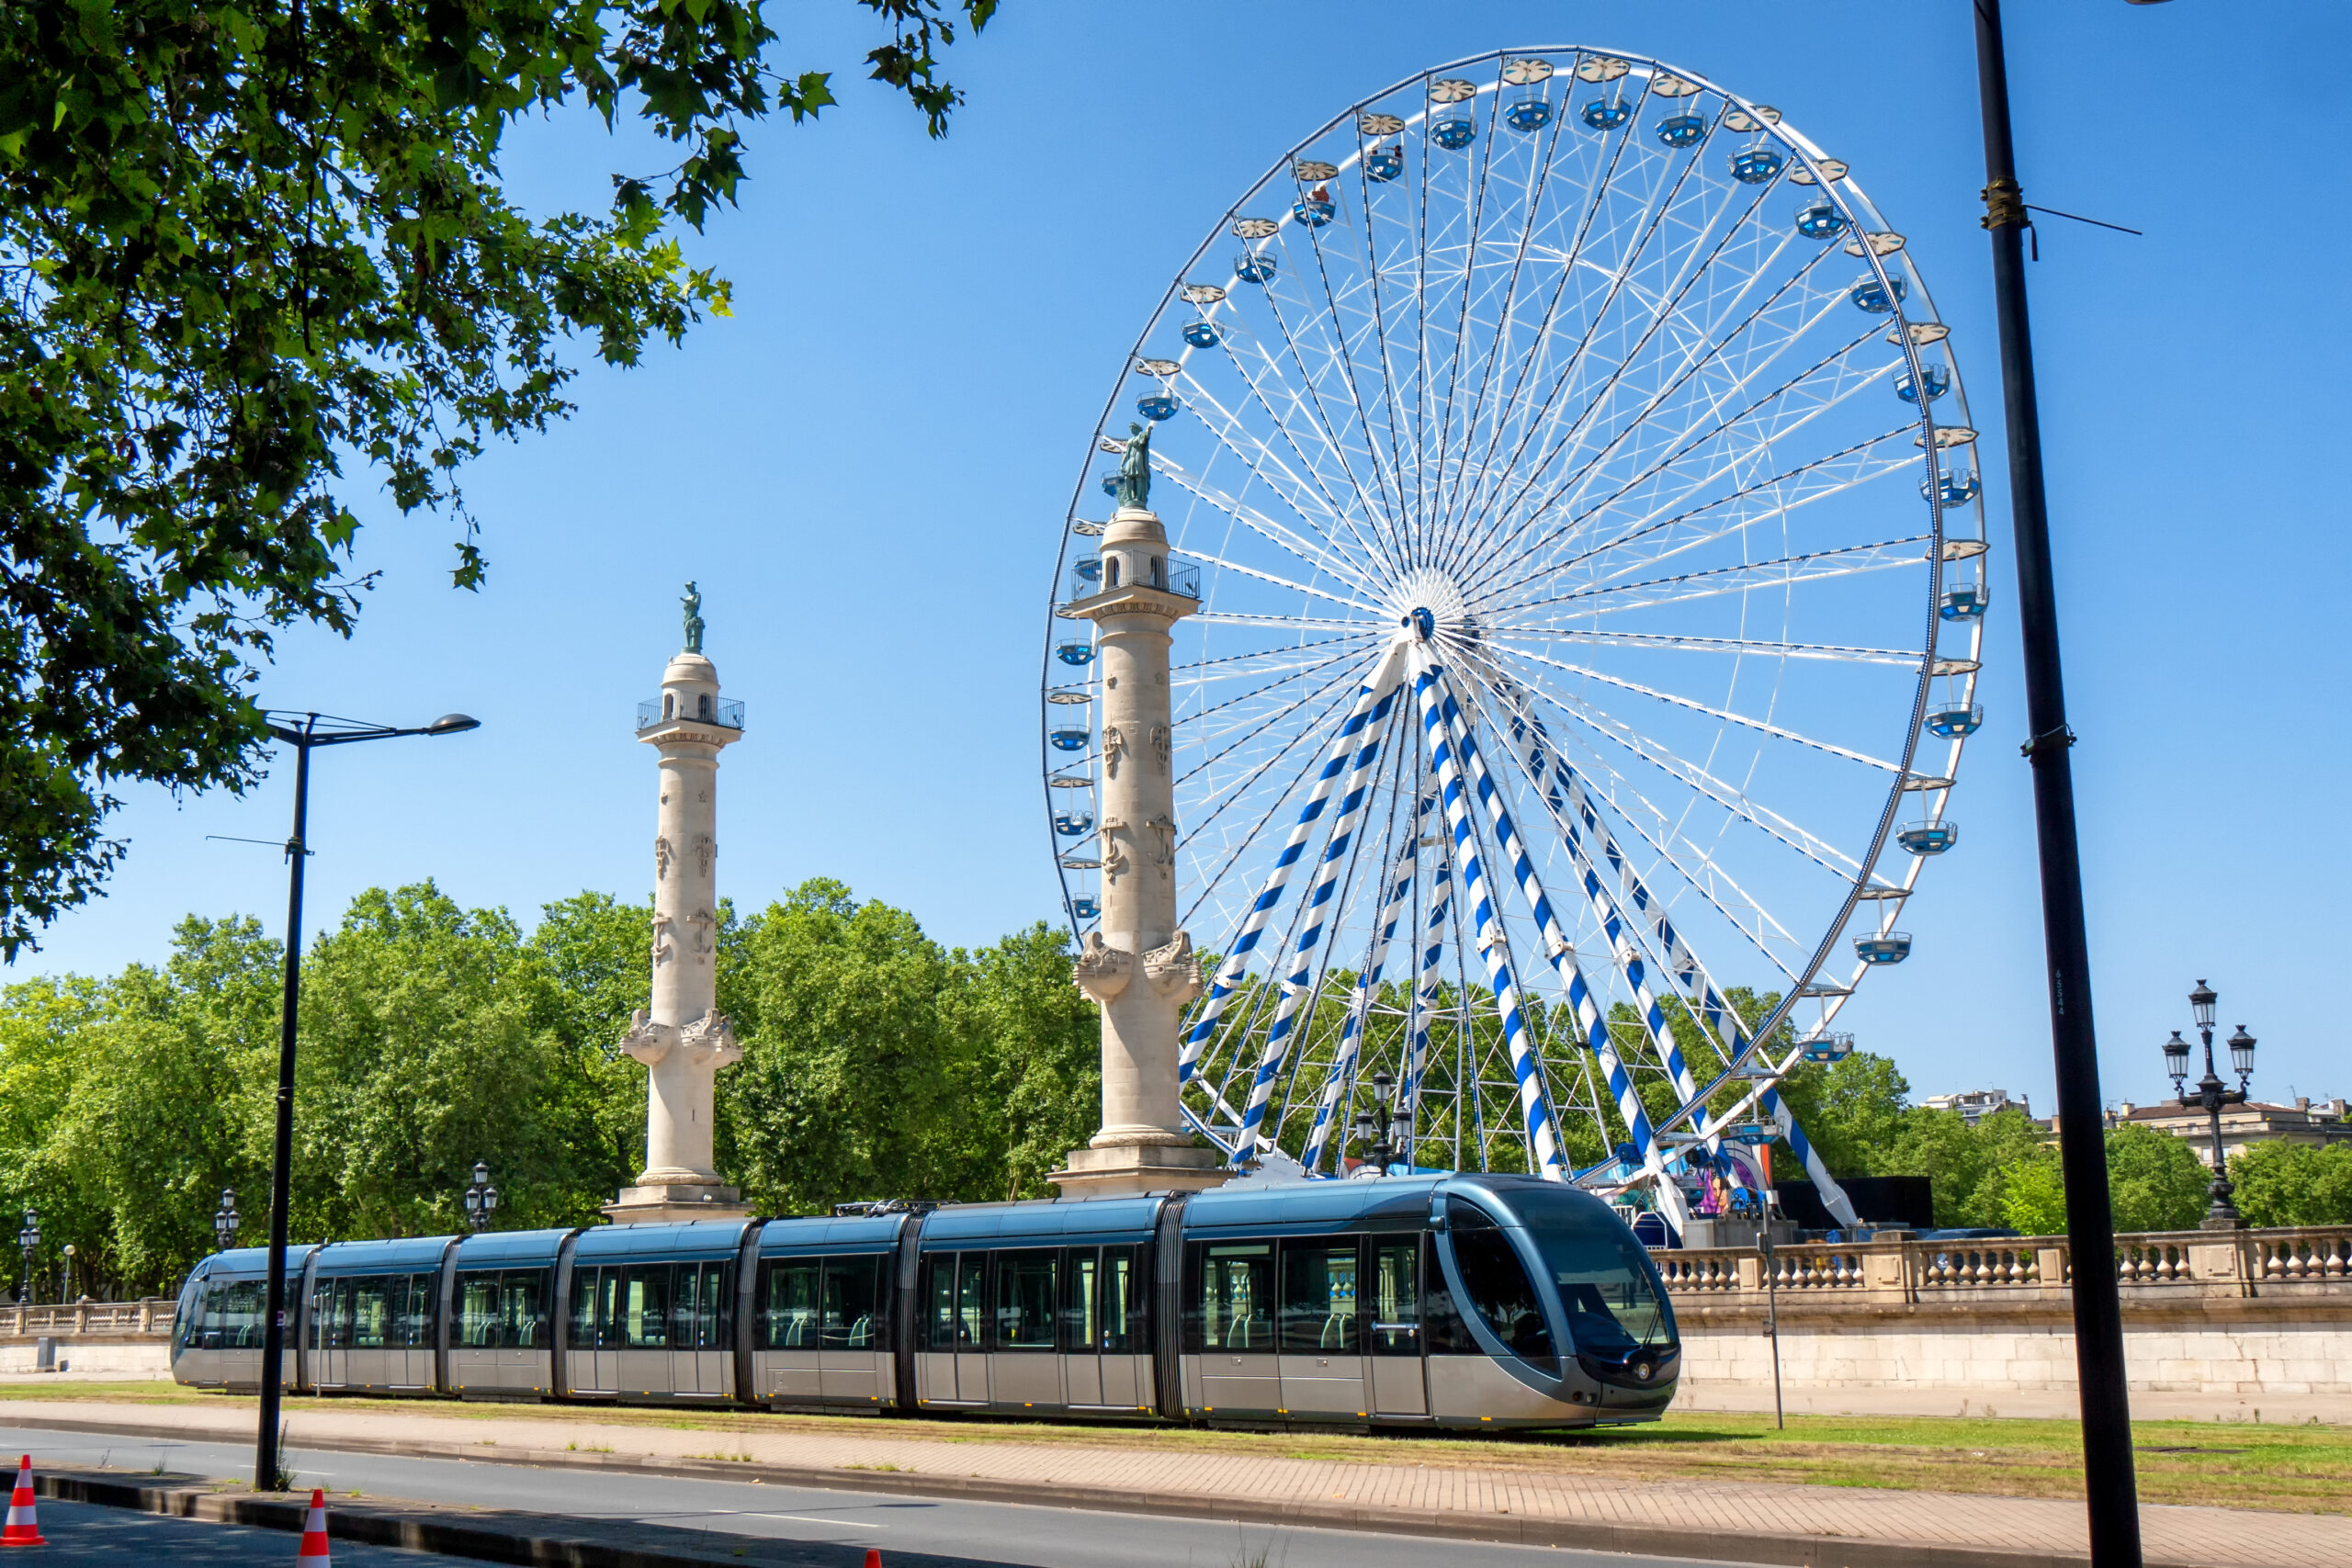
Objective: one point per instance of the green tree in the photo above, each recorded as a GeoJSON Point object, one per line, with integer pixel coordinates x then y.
{"type": "Point", "coordinates": [245, 245]}
{"type": "Point", "coordinates": [1852, 1113]}
{"type": "Point", "coordinates": [424, 1048]}
{"type": "Point", "coordinates": [1040, 1041]}
{"type": "Point", "coordinates": [2154, 1181]}
{"type": "Point", "coordinates": [852, 1083]}
{"type": "Point", "coordinates": [2281, 1183]}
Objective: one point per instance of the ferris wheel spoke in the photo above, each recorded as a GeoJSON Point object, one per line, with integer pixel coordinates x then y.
{"type": "Point", "coordinates": [1563, 441]}
{"type": "Point", "coordinates": [1736, 647]}
{"type": "Point", "coordinates": [1242, 570]}
{"type": "Point", "coordinates": [1304, 495]}
{"type": "Point", "coordinates": [1678, 504]}
{"type": "Point", "coordinates": [1663, 311]}
{"type": "Point", "coordinates": [1707, 583]}
{"type": "Point", "coordinates": [1391, 492]}
{"type": "Point", "coordinates": [1353, 571]}
{"type": "Point", "coordinates": [1653, 217]}
{"type": "Point", "coordinates": [1192, 672]}
{"type": "Point", "coordinates": [1246, 781]}
{"type": "Point", "coordinates": [1729, 716]}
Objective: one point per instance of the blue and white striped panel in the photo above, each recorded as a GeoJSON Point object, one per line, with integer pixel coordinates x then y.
{"type": "Point", "coordinates": [1542, 1139]}
{"type": "Point", "coordinates": [1343, 1061]}
{"type": "Point", "coordinates": [1425, 989]}
{"type": "Point", "coordinates": [1556, 943]}
{"type": "Point", "coordinates": [1375, 694]}
{"type": "Point", "coordinates": [1317, 915]}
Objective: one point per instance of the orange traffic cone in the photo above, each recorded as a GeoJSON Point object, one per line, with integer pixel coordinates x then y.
{"type": "Point", "coordinates": [22, 1529]}
{"type": "Point", "coordinates": [314, 1531]}
{"type": "Point", "coordinates": [873, 1558]}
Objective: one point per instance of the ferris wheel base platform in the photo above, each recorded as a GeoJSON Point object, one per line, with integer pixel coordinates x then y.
{"type": "Point", "coordinates": [1125, 1170]}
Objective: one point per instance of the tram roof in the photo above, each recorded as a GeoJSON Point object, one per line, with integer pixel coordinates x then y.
{"type": "Point", "coordinates": [415, 1252]}
{"type": "Point", "coordinates": [255, 1260]}
{"type": "Point", "coordinates": [691, 1239]}
{"type": "Point", "coordinates": [829, 1233]}
{"type": "Point", "coordinates": [494, 1248]}
{"type": "Point", "coordinates": [1312, 1205]}
{"type": "Point", "coordinates": [1098, 1219]}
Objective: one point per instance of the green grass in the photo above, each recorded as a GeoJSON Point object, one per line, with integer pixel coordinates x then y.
{"type": "Point", "coordinates": [2300, 1469]}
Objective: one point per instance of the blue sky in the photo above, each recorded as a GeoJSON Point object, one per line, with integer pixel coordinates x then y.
{"type": "Point", "coordinates": [867, 467]}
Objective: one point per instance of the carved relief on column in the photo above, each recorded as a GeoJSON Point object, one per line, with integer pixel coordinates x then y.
{"type": "Point", "coordinates": [703, 922]}
{"type": "Point", "coordinates": [706, 850]}
{"type": "Point", "coordinates": [646, 1040]}
{"type": "Point", "coordinates": [662, 857]}
{"type": "Point", "coordinates": [1159, 747]}
{"type": "Point", "coordinates": [1114, 746]}
{"type": "Point", "coordinates": [1174, 970]}
{"type": "Point", "coordinates": [664, 950]}
{"type": "Point", "coordinates": [711, 1036]}
{"type": "Point", "coordinates": [1114, 853]}
{"type": "Point", "coordinates": [1163, 846]}
{"type": "Point", "coordinates": [1102, 971]}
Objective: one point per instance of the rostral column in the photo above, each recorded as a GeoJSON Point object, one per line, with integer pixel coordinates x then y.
{"type": "Point", "coordinates": [1135, 963]}
{"type": "Point", "coordinates": [681, 1040]}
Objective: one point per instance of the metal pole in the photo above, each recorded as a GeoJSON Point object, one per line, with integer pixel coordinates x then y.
{"type": "Point", "coordinates": [1773, 1317]}
{"type": "Point", "coordinates": [281, 1172]}
{"type": "Point", "coordinates": [2112, 1502]}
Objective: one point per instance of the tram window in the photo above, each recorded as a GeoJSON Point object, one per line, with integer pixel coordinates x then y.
{"type": "Point", "coordinates": [371, 1309]}
{"type": "Point", "coordinates": [1319, 1306]}
{"type": "Point", "coordinates": [789, 1304]}
{"type": "Point", "coordinates": [1082, 1298]}
{"type": "Point", "coordinates": [233, 1314]}
{"type": "Point", "coordinates": [477, 1310]}
{"type": "Point", "coordinates": [642, 1307]}
{"type": "Point", "coordinates": [1497, 1284]}
{"type": "Point", "coordinates": [971, 1301]}
{"type": "Point", "coordinates": [1396, 1298]}
{"type": "Point", "coordinates": [699, 1306]}
{"type": "Point", "coordinates": [853, 1316]}
{"type": "Point", "coordinates": [420, 1312]}
{"type": "Point", "coordinates": [1232, 1297]}
{"type": "Point", "coordinates": [1126, 1329]}
{"type": "Point", "coordinates": [522, 1311]}
{"type": "Point", "coordinates": [938, 1302]}
{"type": "Point", "coordinates": [1025, 1300]}
{"type": "Point", "coordinates": [1443, 1332]}
{"type": "Point", "coordinates": [587, 1286]}
{"type": "Point", "coordinates": [1606, 1284]}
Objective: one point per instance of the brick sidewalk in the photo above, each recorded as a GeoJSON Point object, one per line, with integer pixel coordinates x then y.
{"type": "Point", "coordinates": [1737, 1520]}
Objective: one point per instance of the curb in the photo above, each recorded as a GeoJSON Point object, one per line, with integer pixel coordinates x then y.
{"type": "Point", "coordinates": [492, 1536]}
{"type": "Point", "coordinates": [1767, 1551]}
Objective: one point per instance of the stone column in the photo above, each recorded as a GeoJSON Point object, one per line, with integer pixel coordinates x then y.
{"type": "Point", "coordinates": [680, 1039]}
{"type": "Point", "coordinates": [1135, 963]}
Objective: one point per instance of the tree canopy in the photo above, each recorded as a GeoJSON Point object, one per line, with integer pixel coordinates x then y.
{"type": "Point", "coordinates": [254, 252]}
{"type": "Point", "coordinates": [876, 1064]}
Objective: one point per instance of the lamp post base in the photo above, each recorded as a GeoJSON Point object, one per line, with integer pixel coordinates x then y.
{"type": "Point", "coordinates": [2223, 1220]}
{"type": "Point", "coordinates": [671, 1202]}
{"type": "Point", "coordinates": [1126, 1169]}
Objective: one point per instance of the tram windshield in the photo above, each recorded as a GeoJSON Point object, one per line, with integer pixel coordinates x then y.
{"type": "Point", "coordinates": [1606, 1283]}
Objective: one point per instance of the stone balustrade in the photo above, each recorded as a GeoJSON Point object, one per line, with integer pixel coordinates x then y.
{"type": "Point", "coordinates": [2239, 1263]}
{"type": "Point", "coordinates": [149, 1318]}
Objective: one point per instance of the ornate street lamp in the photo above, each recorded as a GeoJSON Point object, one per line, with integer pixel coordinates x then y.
{"type": "Point", "coordinates": [224, 1222]}
{"type": "Point", "coordinates": [480, 1198]}
{"type": "Point", "coordinates": [2211, 1094]}
{"type": "Point", "coordinates": [65, 1287]}
{"type": "Point", "coordinates": [27, 1239]}
{"type": "Point", "coordinates": [1383, 1127]}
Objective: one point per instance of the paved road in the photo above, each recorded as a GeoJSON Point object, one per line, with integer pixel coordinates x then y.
{"type": "Point", "coordinates": [986, 1532]}
{"type": "Point", "coordinates": [87, 1532]}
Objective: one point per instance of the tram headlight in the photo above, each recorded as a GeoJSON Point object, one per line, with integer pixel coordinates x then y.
{"type": "Point", "coordinates": [1644, 1370]}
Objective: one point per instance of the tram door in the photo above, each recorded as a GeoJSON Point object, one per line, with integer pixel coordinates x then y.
{"type": "Point", "coordinates": [697, 1348]}
{"type": "Point", "coordinates": [1321, 1330]}
{"type": "Point", "coordinates": [954, 1369]}
{"type": "Point", "coordinates": [1233, 1301]}
{"type": "Point", "coordinates": [1394, 1329]}
{"type": "Point", "coordinates": [1103, 1328]}
{"type": "Point", "coordinates": [592, 1366]}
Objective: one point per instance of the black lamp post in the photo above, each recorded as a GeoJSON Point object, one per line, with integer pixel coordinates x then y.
{"type": "Point", "coordinates": [480, 1198]}
{"type": "Point", "coordinates": [304, 732]}
{"type": "Point", "coordinates": [1384, 1127]}
{"type": "Point", "coordinates": [2110, 1489]}
{"type": "Point", "coordinates": [2212, 1094]}
{"type": "Point", "coordinates": [224, 1222]}
{"type": "Point", "coordinates": [26, 1240]}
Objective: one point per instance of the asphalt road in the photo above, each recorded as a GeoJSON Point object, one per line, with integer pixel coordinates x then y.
{"type": "Point", "coordinates": [90, 1533]}
{"type": "Point", "coordinates": [996, 1533]}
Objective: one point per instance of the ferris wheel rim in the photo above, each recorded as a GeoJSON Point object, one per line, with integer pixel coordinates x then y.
{"type": "Point", "coordinates": [1847, 194]}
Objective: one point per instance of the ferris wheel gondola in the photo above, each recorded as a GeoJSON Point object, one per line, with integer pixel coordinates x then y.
{"type": "Point", "coordinates": [1590, 565]}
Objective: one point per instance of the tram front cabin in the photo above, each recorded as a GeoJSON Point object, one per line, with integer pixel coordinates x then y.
{"type": "Point", "coordinates": [1463, 1300]}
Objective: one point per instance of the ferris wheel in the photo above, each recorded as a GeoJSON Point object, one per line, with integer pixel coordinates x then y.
{"type": "Point", "coordinates": [1589, 553]}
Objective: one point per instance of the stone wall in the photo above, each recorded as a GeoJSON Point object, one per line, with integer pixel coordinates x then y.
{"type": "Point", "coordinates": [2257, 1326]}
